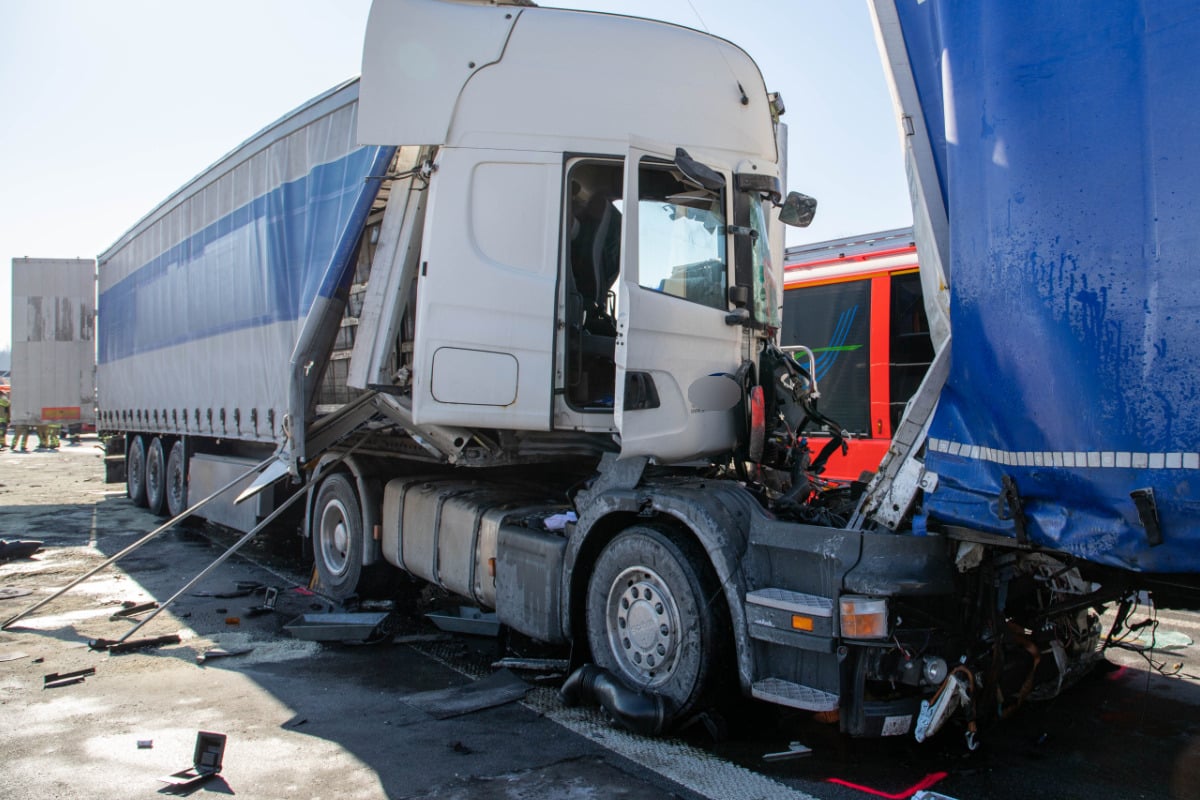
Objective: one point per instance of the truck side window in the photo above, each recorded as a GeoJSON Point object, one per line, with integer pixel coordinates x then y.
{"type": "Point", "coordinates": [834, 320]}
{"type": "Point", "coordinates": [912, 349]}
{"type": "Point", "coordinates": [681, 238]}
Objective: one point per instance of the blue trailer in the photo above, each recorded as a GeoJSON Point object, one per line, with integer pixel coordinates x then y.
{"type": "Point", "coordinates": [1054, 184]}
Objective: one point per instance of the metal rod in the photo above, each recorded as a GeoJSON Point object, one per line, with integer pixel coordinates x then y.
{"type": "Point", "coordinates": [234, 548]}
{"type": "Point", "coordinates": [220, 560]}
{"type": "Point", "coordinates": [165, 526]}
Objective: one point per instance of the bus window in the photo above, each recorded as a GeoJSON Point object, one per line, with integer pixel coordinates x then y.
{"type": "Point", "coordinates": [912, 349]}
{"type": "Point", "coordinates": [834, 320]}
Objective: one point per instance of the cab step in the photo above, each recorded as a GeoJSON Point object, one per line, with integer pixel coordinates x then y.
{"type": "Point", "coordinates": [786, 693]}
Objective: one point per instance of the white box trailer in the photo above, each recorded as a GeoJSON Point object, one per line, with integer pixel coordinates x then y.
{"type": "Point", "coordinates": [53, 341]}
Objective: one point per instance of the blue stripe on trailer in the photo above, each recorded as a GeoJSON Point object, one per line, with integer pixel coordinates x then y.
{"type": "Point", "coordinates": [263, 263]}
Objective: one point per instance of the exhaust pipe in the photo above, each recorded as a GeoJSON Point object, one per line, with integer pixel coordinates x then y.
{"type": "Point", "coordinates": [641, 713]}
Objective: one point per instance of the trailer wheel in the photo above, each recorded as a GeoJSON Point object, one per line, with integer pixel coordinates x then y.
{"type": "Point", "coordinates": [177, 489]}
{"type": "Point", "coordinates": [156, 477]}
{"type": "Point", "coordinates": [135, 470]}
{"type": "Point", "coordinates": [337, 536]}
{"type": "Point", "coordinates": [656, 620]}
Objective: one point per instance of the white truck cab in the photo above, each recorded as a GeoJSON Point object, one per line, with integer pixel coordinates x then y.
{"type": "Point", "coordinates": [570, 276]}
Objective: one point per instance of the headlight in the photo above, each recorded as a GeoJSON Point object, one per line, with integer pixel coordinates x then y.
{"type": "Point", "coordinates": [935, 670]}
{"type": "Point", "coordinates": [864, 617]}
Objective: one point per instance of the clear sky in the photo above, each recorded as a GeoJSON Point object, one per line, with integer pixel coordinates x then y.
{"type": "Point", "coordinates": [107, 107]}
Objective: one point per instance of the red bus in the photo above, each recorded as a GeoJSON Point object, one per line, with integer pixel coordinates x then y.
{"type": "Point", "coordinates": [856, 303]}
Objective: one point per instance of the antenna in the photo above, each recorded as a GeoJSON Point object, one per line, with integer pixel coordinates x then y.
{"type": "Point", "coordinates": [745, 100]}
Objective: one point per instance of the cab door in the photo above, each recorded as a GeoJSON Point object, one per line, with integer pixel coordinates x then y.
{"type": "Point", "coordinates": [675, 350]}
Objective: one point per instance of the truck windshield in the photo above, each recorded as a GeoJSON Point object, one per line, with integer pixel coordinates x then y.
{"type": "Point", "coordinates": [766, 289]}
{"type": "Point", "coordinates": [681, 237]}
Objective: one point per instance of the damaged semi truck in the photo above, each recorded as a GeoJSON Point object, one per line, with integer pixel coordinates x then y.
{"type": "Point", "coordinates": [468, 293]}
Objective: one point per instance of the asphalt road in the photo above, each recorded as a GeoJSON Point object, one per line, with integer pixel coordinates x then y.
{"type": "Point", "coordinates": [308, 719]}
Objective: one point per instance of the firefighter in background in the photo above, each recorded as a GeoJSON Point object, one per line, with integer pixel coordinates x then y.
{"type": "Point", "coordinates": [20, 438]}
{"type": "Point", "coordinates": [47, 436]}
{"type": "Point", "coordinates": [5, 408]}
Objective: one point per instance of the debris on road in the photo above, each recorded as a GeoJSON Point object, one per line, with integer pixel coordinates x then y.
{"type": "Point", "coordinates": [494, 690]}
{"type": "Point", "coordinates": [55, 680]}
{"type": "Point", "coordinates": [206, 761]}
{"type": "Point", "coordinates": [795, 750]}
{"type": "Point", "coordinates": [133, 609]}
{"type": "Point", "coordinates": [243, 589]}
{"type": "Point", "coordinates": [342, 627]}
{"type": "Point", "coordinates": [268, 604]}
{"type": "Point", "coordinates": [116, 646]}
{"type": "Point", "coordinates": [533, 664]}
{"type": "Point", "coordinates": [13, 655]}
{"type": "Point", "coordinates": [221, 652]}
{"type": "Point", "coordinates": [423, 638]}
{"type": "Point", "coordinates": [9, 592]}
{"type": "Point", "coordinates": [18, 548]}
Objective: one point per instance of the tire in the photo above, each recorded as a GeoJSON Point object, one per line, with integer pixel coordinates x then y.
{"type": "Point", "coordinates": [177, 487]}
{"type": "Point", "coordinates": [655, 618]}
{"type": "Point", "coordinates": [135, 470]}
{"type": "Point", "coordinates": [156, 477]}
{"type": "Point", "coordinates": [337, 536]}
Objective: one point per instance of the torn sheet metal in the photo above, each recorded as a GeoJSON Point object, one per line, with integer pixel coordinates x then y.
{"type": "Point", "coordinates": [467, 619]}
{"type": "Point", "coordinates": [337, 627]}
{"type": "Point", "coordinates": [495, 690]}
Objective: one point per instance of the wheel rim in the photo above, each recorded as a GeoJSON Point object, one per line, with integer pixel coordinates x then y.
{"type": "Point", "coordinates": [335, 537]}
{"type": "Point", "coordinates": [643, 625]}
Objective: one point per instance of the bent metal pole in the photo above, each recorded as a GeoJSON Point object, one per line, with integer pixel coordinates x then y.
{"type": "Point", "coordinates": [220, 560]}
{"type": "Point", "coordinates": [165, 526]}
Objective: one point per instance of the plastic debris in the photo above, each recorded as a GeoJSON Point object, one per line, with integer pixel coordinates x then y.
{"type": "Point", "coordinates": [558, 522]}
{"type": "Point", "coordinates": [795, 750]}
{"type": "Point", "coordinates": [221, 652]}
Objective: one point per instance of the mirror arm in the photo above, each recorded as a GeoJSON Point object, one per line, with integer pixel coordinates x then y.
{"type": "Point", "coordinates": [739, 316]}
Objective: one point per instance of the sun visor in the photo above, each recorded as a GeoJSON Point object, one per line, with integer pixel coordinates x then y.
{"type": "Point", "coordinates": [417, 57]}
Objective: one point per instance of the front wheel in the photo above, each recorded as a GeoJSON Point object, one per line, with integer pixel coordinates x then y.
{"type": "Point", "coordinates": [655, 618]}
{"type": "Point", "coordinates": [337, 536]}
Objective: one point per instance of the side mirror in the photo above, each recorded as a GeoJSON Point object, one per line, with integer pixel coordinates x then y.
{"type": "Point", "coordinates": [798, 210]}
{"type": "Point", "coordinates": [696, 173]}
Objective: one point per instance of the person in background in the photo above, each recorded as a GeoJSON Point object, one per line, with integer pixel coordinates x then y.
{"type": "Point", "coordinates": [47, 436]}
{"type": "Point", "coordinates": [5, 408]}
{"type": "Point", "coordinates": [20, 438]}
